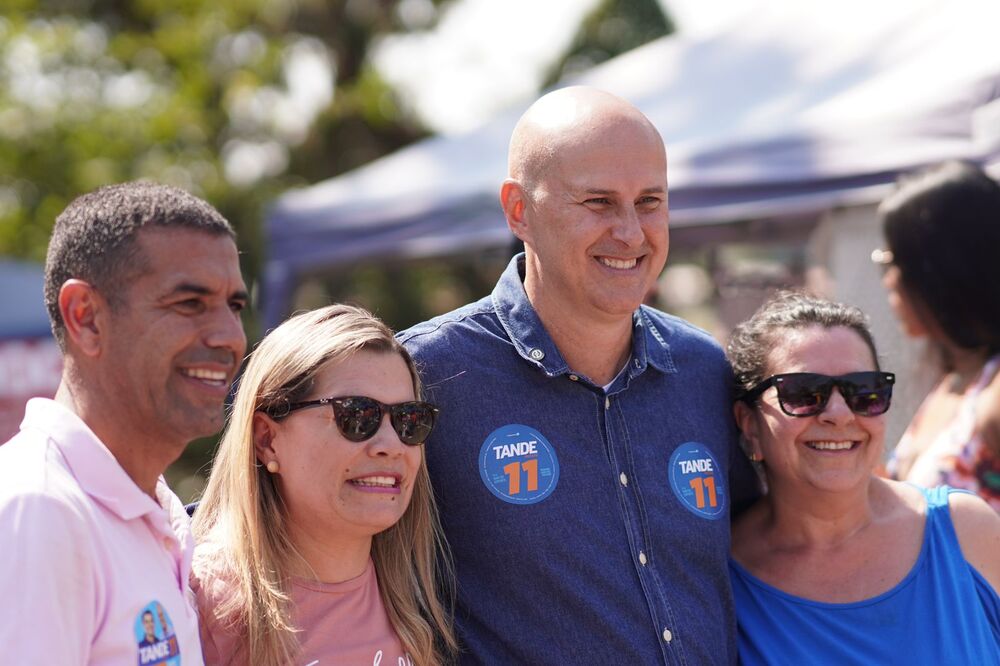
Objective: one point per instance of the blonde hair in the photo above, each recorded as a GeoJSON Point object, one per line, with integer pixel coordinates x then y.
{"type": "Point", "coordinates": [240, 524]}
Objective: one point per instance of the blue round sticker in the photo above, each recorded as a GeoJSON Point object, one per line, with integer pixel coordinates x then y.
{"type": "Point", "coordinates": [518, 465]}
{"type": "Point", "coordinates": [697, 480]}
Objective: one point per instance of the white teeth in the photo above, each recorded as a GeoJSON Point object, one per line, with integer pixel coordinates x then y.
{"type": "Point", "coordinates": [376, 481]}
{"type": "Point", "coordinates": [831, 446]}
{"type": "Point", "coordinates": [210, 375]}
{"type": "Point", "coordinates": [621, 264]}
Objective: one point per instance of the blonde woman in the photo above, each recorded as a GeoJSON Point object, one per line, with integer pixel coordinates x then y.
{"type": "Point", "coordinates": [318, 534]}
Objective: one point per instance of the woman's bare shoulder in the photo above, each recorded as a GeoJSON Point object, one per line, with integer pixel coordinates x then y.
{"type": "Point", "coordinates": [977, 526]}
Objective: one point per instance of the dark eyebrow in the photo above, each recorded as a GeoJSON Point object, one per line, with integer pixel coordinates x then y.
{"type": "Point", "coordinates": [187, 288]}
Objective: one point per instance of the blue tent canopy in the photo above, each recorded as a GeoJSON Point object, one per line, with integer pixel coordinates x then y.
{"type": "Point", "coordinates": [22, 306]}
{"type": "Point", "coordinates": [782, 114]}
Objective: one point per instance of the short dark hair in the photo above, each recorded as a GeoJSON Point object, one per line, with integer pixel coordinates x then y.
{"type": "Point", "coordinates": [94, 237]}
{"type": "Point", "coordinates": [942, 226]}
{"type": "Point", "coordinates": [753, 340]}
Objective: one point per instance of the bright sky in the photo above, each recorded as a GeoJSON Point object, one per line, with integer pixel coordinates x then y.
{"type": "Point", "coordinates": [482, 56]}
{"type": "Point", "coordinates": [485, 55]}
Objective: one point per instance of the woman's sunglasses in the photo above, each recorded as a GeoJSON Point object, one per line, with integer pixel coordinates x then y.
{"type": "Point", "coordinates": [806, 393]}
{"type": "Point", "coordinates": [358, 417]}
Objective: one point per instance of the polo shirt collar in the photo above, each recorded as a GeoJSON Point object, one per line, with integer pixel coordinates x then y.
{"type": "Point", "coordinates": [93, 466]}
{"type": "Point", "coordinates": [532, 342]}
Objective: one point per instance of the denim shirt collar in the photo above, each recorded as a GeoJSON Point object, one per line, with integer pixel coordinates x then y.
{"type": "Point", "coordinates": [532, 341]}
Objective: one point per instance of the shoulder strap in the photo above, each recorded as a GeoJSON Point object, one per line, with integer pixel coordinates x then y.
{"type": "Point", "coordinates": [936, 497]}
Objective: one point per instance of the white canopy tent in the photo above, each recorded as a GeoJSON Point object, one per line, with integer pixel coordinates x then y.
{"type": "Point", "coordinates": [789, 109]}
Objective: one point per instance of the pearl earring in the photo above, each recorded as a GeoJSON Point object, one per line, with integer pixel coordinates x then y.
{"type": "Point", "coordinates": [272, 466]}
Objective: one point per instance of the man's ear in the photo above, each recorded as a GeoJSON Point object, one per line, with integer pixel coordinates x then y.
{"type": "Point", "coordinates": [82, 309]}
{"type": "Point", "coordinates": [746, 419]}
{"type": "Point", "coordinates": [513, 201]}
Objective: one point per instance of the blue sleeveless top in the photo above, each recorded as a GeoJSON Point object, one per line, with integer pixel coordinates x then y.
{"type": "Point", "coordinates": [942, 612]}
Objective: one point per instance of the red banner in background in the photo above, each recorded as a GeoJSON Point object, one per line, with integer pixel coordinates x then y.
{"type": "Point", "coordinates": [28, 369]}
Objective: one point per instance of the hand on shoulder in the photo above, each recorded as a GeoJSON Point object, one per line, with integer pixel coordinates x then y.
{"type": "Point", "coordinates": [978, 529]}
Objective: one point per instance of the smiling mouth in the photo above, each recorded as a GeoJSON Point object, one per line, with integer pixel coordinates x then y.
{"type": "Point", "coordinates": [376, 482]}
{"type": "Point", "coordinates": [832, 445]}
{"type": "Point", "coordinates": [213, 378]}
{"type": "Point", "coordinates": [619, 264]}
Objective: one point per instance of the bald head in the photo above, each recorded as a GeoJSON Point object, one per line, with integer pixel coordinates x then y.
{"type": "Point", "coordinates": [587, 194]}
{"type": "Point", "coordinates": [570, 118]}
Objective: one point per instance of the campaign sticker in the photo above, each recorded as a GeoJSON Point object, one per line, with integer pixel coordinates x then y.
{"type": "Point", "coordinates": [518, 464]}
{"type": "Point", "coordinates": [154, 633]}
{"type": "Point", "coordinates": [697, 480]}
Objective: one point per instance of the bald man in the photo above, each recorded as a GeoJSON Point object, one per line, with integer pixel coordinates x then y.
{"type": "Point", "coordinates": [585, 440]}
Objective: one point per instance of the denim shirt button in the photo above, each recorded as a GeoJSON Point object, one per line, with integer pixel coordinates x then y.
{"type": "Point", "coordinates": [637, 362]}
{"type": "Point", "coordinates": [574, 378]}
{"type": "Point", "coordinates": [667, 635]}
{"type": "Point", "coordinates": [536, 354]}
{"type": "Point", "coordinates": [623, 478]}
{"type": "Point", "coordinates": [642, 561]}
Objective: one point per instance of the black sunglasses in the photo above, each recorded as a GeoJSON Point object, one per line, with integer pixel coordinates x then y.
{"type": "Point", "coordinates": [806, 393]}
{"type": "Point", "coordinates": [359, 417]}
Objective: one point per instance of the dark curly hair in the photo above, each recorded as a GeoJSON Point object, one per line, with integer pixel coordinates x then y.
{"type": "Point", "coordinates": [94, 238]}
{"type": "Point", "coordinates": [942, 226]}
{"type": "Point", "coordinates": [753, 340]}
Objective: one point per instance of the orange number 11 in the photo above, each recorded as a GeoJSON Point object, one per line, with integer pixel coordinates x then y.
{"type": "Point", "coordinates": [513, 472]}
{"type": "Point", "coordinates": [702, 485]}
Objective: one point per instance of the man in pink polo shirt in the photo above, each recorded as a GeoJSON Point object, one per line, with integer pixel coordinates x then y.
{"type": "Point", "coordinates": [143, 287]}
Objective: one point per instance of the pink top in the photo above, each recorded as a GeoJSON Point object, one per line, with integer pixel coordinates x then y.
{"type": "Point", "coordinates": [341, 623]}
{"type": "Point", "coordinates": [92, 570]}
{"type": "Point", "coordinates": [957, 456]}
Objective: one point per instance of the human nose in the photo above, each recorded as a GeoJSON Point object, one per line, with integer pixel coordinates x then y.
{"type": "Point", "coordinates": [889, 278]}
{"type": "Point", "coordinates": [386, 441]}
{"type": "Point", "coordinates": [627, 228]}
{"type": "Point", "coordinates": [836, 411]}
{"type": "Point", "coordinates": [225, 331]}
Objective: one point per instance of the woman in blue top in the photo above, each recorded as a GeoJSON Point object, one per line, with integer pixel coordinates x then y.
{"type": "Point", "coordinates": [834, 565]}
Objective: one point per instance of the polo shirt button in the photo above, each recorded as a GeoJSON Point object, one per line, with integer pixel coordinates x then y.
{"type": "Point", "coordinates": [623, 479]}
{"type": "Point", "coordinates": [536, 354]}
{"type": "Point", "coordinates": [667, 636]}
{"type": "Point", "coordinates": [574, 378]}
{"type": "Point", "coordinates": [642, 561]}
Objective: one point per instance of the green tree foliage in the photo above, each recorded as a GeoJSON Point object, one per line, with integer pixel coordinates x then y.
{"type": "Point", "coordinates": [234, 100]}
{"type": "Point", "coordinates": [612, 28]}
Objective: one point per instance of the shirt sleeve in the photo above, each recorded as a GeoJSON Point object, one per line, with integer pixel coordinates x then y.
{"type": "Point", "coordinates": [48, 601]}
{"type": "Point", "coordinates": [220, 643]}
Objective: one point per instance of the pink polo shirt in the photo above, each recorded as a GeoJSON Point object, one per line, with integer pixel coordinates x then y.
{"type": "Point", "coordinates": [92, 570]}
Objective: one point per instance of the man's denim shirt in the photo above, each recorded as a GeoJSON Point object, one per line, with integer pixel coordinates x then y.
{"type": "Point", "coordinates": [587, 526]}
